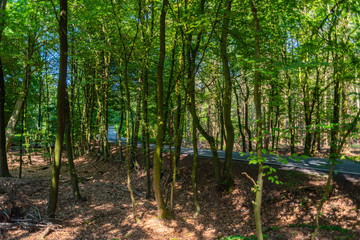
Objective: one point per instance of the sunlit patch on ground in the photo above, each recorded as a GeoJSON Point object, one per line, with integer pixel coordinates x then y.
{"type": "Point", "coordinates": [107, 214]}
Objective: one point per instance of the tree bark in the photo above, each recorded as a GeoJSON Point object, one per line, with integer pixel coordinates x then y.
{"type": "Point", "coordinates": [161, 207]}
{"type": "Point", "coordinates": [246, 114]}
{"type": "Point", "coordinates": [53, 195]}
{"type": "Point", "coordinates": [135, 135]}
{"type": "Point", "coordinates": [146, 135]}
{"type": "Point", "coordinates": [243, 139]}
{"type": "Point", "coordinates": [69, 151]}
{"type": "Point", "coordinates": [290, 115]}
{"type": "Point", "coordinates": [227, 174]}
{"type": "Point", "coordinates": [4, 170]}
{"type": "Point", "coordinates": [257, 101]}
{"type": "Point", "coordinates": [147, 37]}
{"type": "Point", "coordinates": [14, 118]}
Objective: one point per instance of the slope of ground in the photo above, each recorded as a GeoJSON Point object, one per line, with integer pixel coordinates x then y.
{"type": "Point", "coordinates": [106, 213]}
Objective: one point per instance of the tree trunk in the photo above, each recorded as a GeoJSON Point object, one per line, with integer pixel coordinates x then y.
{"type": "Point", "coordinates": [178, 133]}
{"type": "Point", "coordinates": [308, 113]}
{"type": "Point", "coordinates": [69, 151]}
{"type": "Point", "coordinates": [137, 122]}
{"type": "Point", "coordinates": [4, 170]}
{"type": "Point", "coordinates": [257, 101]}
{"type": "Point", "coordinates": [105, 123]}
{"type": "Point", "coordinates": [128, 146]}
{"type": "Point", "coordinates": [222, 125]}
{"type": "Point", "coordinates": [21, 143]}
{"type": "Point", "coordinates": [246, 114]}
{"type": "Point", "coordinates": [167, 105]}
{"type": "Point", "coordinates": [38, 135]}
{"type": "Point", "coordinates": [53, 195]}
{"type": "Point", "coordinates": [26, 134]}
{"type": "Point", "coordinates": [290, 115]}
{"type": "Point", "coordinates": [162, 211]}
{"type": "Point", "coordinates": [147, 37]}
{"type": "Point", "coordinates": [192, 108]}
{"type": "Point", "coordinates": [10, 128]}
{"type": "Point", "coordinates": [146, 135]}
{"type": "Point", "coordinates": [227, 174]}
{"type": "Point", "coordinates": [243, 139]}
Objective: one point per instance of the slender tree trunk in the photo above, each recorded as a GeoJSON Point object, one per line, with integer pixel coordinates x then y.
{"type": "Point", "coordinates": [4, 170]}
{"type": "Point", "coordinates": [123, 109]}
{"type": "Point", "coordinates": [128, 146]}
{"type": "Point", "coordinates": [47, 127]}
{"type": "Point", "coordinates": [334, 144]}
{"type": "Point", "coordinates": [10, 128]}
{"type": "Point", "coordinates": [178, 133]}
{"type": "Point", "coordinates": [89, 116]}
{"type": "Point", "coordinates": [38, 135]}
{"type": "Point", "coordinates": [290, 115]}
{"type": "Point", "coordinates": [273, 131]}
{"type": "Point", "coordinates": [169, 91]}
{"type": "Point", "coordinates": [243, 139]}
{"type": "Point", "coordinates": [137, 122]}
{"type": "Point", "coordinates": [192, 109]}
{"type": "Point", "coordinates": [53, 195]}
{"type": "Point", "coordinates": [146, 136]}
{"type": "Point", "coordinates": [105, 123]}
{"type": "Point", "coordinates": [69, 151]}
{"type": "Point", "coordinates": [246, 114]}
{"type": "Point", "coordinates": [222, 125]}
{"type": "Point", "coordinates": [308, 113]}
{"type": "Point", "coordinates": [21, 144]}
{"type": "Point", "coordinates": [195, 161]}
{"type": "Point", "coordinates": [227, 175]}
{"type": "Point", "coordinates": [162, 211]}
{"type": "Point", "coordinates": [316, 133]}
{"type": "Point", "coordinates": [26, 134]}
{"type": "Point", "coordinates": [147, 37]}
{"type": "Point", "coordinates": [257, 101]}
{"type": "Point", "coordinates": [120, 135]}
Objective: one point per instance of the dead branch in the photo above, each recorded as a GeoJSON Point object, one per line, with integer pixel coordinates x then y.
{"type": "Point", "coordinates": [247, 175]}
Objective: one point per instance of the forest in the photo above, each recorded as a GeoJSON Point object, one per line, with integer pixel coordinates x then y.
{"type": "Point", "coordinates": [98, 99]}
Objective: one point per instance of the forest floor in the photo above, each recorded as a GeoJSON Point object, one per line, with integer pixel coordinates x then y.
{"type": "Point", "coordinates": [287, 213]}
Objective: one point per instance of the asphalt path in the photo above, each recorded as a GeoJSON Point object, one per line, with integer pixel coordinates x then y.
{"type": "Point", "coordinates": [346, 167]}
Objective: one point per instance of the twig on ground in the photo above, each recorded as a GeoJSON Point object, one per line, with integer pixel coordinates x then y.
{"type": "Point", "coordinates": [46, 232]}
{"type": "Point", "coordinates": [247, 175]}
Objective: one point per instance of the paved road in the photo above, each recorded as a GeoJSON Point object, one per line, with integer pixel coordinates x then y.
{"type": "Point", "coordinates": [314, 164]}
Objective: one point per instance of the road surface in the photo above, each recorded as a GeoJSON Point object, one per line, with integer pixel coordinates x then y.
{"type": "Point", "coordinates": [314, 164]}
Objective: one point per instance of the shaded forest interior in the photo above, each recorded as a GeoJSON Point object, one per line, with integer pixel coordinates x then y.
{"type": "Point", "coordinates": [261, 77]}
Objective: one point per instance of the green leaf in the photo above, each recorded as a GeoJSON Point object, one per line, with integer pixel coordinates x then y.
{"type": "Point", "coordinates": [253, 161]}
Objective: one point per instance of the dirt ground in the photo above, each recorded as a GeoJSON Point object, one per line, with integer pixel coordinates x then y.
{"type": "Point", "coordinates": [106, 212]}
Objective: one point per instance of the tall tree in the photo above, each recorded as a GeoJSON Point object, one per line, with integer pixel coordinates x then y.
{"type": "Point", "coordinates": [127, 52]}
{"type": "Point", "coordinates": [228, 175]}
{"type": "Point", "coordinates": [147, 33]}
{"type": "Point", "coordinates": [69, 151]}
{"type": "Point", "coordinates": [61, 105]}
{"type": "Point", "coordinates": [257, 101]}
{"type": "Point", "coordinates": [4, 170]}
{"type": "Point", "coordinates": [161, 207]}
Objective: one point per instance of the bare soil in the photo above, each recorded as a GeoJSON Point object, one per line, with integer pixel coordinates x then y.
{"type": "Point", "coordinates": [106, 212]}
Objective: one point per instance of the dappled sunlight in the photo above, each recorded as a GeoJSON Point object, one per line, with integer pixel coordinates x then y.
{"type": "Point", "coordinates": [107, 211]}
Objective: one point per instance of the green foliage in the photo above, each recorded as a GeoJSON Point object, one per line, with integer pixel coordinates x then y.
{"type": "Point", "coordinates": [347, 234]}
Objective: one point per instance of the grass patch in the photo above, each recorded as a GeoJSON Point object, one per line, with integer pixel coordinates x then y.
{"type": "Point", "coordinates": [347, 234]}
